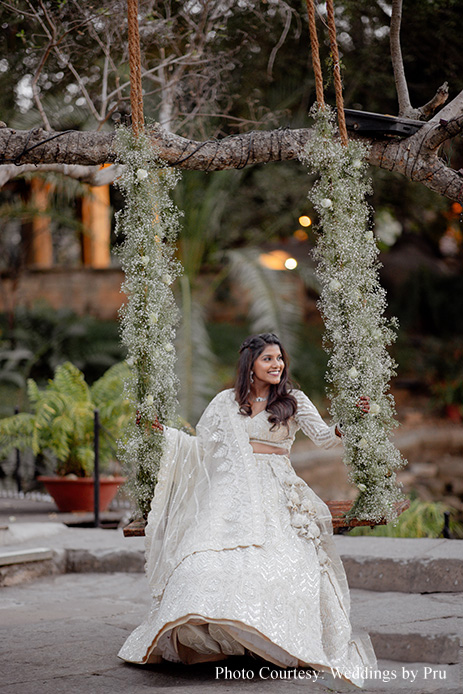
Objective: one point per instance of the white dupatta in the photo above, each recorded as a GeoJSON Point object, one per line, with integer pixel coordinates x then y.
{"type": "Point", "coordinates": [207, 496]}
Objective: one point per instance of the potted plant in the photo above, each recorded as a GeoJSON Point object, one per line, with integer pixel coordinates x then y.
{"type": "Point", "coordinates": [61, 422]}
{"type": "Point", "coordinates": [449, 395]}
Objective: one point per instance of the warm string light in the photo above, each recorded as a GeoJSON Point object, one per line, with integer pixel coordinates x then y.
{"type": "Point", "coordinates": [277, 260]}
{"type": "Point", "coordinates": [305, 221]}
{"type": "Point", "coordinates": [148, 225]}
{"type": "Point", "coordinates": [352, 303]}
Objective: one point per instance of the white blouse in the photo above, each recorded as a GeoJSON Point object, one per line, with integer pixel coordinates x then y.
{"type": "Point", "coordinates": [306, 418]}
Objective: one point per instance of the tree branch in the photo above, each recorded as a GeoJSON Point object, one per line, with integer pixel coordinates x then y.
{"type": "Point", "coordinates": [448, 123]}
{"type": "Point", "coordinates": [51, 34]}
{"type": "Point", "coordinates": [35, 90]}
{"type": "Point", "coordinates": [405, 107]}
{"type": "Point", "coordinates": [281, 41]}
{"type": "Point", "coordinates": [417, 161]}
{"type": "Point", "coordinates": [439, 99]}
{"type": "Point", "coordinates": [93, 175]}
{"type": "Point", "coordinates": [444, 131]}
{"type": "Point", "coordinates": [415, 157]}
{"type": "Point", "coordinates": [451, 111]}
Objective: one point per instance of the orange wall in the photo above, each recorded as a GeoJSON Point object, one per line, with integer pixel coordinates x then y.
{"type": "Point", "coordinates": [83, 290]}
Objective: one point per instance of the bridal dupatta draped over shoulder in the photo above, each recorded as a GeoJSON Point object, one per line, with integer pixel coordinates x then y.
{"type": "Point", "coordinates": [240, 554]}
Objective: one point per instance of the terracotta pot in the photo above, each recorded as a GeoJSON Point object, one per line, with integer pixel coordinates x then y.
{"type": "Point", "coordinates": [77, 494]}
{"type": "Point", "coordinates": [453, 412]}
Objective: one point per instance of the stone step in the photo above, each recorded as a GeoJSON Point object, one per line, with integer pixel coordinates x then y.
{"type": "Point", "coordinates": [378, 564]}
{"type": "Point", "coordinates": [128, 560]}
{"type": "Point", "coordinates": [411, 628]}
{"type": "Point", "coordinates": [18, 565]}
{"type": "Point", "coordinates": [23, 556]}
{"type": "Point", "coordinates": [15, 533]}
{"type": "Point", "coordinates": [406, 565]}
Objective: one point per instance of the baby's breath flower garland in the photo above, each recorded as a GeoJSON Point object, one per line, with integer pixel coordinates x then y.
{"type": "Point", "coordinates": [352, 303]}
{"type": "Point", "coordinates": [148, 225]}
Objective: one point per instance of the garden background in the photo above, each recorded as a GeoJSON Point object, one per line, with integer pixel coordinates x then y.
{"type": "Point", "coordinates": [242, 229]}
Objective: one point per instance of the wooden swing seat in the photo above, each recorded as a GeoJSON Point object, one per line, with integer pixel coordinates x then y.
{"type": "Point", "coordinates": [338, 510]}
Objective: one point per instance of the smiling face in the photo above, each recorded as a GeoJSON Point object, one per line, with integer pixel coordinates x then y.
{"type": "Point", "coordinates": [268, 367]}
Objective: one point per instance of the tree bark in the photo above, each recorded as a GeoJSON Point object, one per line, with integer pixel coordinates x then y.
{"type": "Point", "coordinates": [415, 157]}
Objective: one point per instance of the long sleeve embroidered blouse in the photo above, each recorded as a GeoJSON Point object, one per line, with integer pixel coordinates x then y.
{"type": "Point", "coordinates": [307, 418]}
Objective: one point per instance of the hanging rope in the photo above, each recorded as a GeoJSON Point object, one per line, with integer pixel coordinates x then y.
{"type": "Point", "coordinates": [317, 68]}
{"type": "Point", "coordinates": [336, 66]}
{"type": "Point", "coordinates": [136, 94]}
{"type": "Point", "coordinates": [336, 72]}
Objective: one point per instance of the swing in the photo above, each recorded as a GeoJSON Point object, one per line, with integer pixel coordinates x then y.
{"type": "Point", "coordinates": [339, 509]}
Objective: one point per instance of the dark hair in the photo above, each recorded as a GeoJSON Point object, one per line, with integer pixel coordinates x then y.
{"type": "Point", "coordinates": [281, 404]}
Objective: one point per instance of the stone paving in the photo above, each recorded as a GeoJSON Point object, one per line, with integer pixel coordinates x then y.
{"type": "Point", "coordinates": [60, 633]}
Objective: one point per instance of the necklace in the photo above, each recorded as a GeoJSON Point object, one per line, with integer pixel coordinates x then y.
{"type": "Point", "coordinates": [260, 399]}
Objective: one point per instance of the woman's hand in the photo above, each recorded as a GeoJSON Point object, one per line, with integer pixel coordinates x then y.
{"type": "Point", "coordinates": [157, 425]}
{"type": "Point", "coordinates": [364, 404]}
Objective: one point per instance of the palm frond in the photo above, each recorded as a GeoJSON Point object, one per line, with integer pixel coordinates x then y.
{"type": "Point", "coordinates": [274, 305]}
{"type": "Point", "coordinates": [196, 361]}
{"type": "Point", "coordinates": [70, 380]}
{"type": "Point", "coordinates": [203, 199]}
{"type": "Point", "coordinates": [16, 432]}
{"type": "Point", "coordinates": [308, 275]}
{"type": "Point", "coordinates": [109, 388]}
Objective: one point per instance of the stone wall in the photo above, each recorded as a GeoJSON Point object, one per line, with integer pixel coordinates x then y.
{"type": "Point", "coordinates": [86, 291]}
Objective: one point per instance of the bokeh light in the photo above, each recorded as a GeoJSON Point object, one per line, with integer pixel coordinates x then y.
{"type": "Point", "coordinates": [305, 221]}
{"type": "Point", "coordinates": [291, 264]}
{"type": "Point", "coordinates": [301, 235]}
{"type": "Point", "coordinates": [277, 260]}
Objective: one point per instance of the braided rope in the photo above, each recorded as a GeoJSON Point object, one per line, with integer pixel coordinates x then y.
{"type": "Point", "coordinates": [136, 94]}
{"type": "Point", "coordinates": [336, 72]}
{"type": "Point", "coordinates": [315, 48]}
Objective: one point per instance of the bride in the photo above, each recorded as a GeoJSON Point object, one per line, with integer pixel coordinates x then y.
{"type": "Point", "coordinates": [239, 550]}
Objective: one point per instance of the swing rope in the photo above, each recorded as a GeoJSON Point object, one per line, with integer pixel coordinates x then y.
{"type": "Point", "coordinates": [136, 93]}
{"type": "Point", "coordinates": [338, 509]}
{"type": "Point", "coordinates": [315, 49]}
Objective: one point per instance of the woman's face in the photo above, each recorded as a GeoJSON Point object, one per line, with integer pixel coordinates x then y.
{"type": "Point", "coordinates": [268, 366]}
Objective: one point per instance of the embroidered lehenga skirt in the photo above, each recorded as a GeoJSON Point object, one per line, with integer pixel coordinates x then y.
{"type": "Point", "coordinates": [286, 600]}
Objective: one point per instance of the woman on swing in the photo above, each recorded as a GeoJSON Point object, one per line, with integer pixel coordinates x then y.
{"type": "Point", "coordinates": [240, 553]}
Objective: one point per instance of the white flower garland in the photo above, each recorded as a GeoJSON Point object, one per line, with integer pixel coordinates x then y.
{"type": "Point", "coordinates": [149, 225]}
{"type": "Point", "coordinates": [352, 303]}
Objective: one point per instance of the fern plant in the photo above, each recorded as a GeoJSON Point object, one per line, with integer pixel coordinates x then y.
{"type": "Point", "coordinates": [61, 420]}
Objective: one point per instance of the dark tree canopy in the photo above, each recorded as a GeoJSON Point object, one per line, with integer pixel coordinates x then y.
{"type": "Point", "coordinates": [218, 75]}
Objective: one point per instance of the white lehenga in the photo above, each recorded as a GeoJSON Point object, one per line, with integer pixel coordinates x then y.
{"type": "Point", "coordinates": [240, 553]}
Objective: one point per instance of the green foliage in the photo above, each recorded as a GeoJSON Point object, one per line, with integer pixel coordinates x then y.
{"type": "Point", "coordinates": [196, 361]}
{"type": "Point", "coordinates": [311, 363]}
{"type": "Point", "coordinates": [36, 340]}
{"type": "Point", "coordinates": [203, 199]}
{"type": "Point", "coordinates": [449, 392]}
{"type": "Point", "coordinates": [422, 519]}
{"type": "Point", "coordinates": [148, 224]}
{"type": "Point", "coordinates": [352, 303]}
{"type": "Point", "coordinates": [225, 339]}
{"type": "Point", "coordinates": [61, 420]}
{"type": "Point", "coordinates": [271, 294]}
{"type": "Point", "coordinates": [271, 199]}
